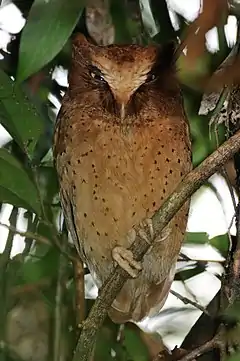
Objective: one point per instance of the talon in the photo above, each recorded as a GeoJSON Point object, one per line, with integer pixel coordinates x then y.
{"type": "Point", "coordinates": [147, 223]}
{"type": "Point", "coordinates": [124, 258]}
{"type": "Point", "coordinates": [131, 236]}
{"type": "Point", "coordinates": [164, 234]}
{"type": "Point", "coordinates": [144, 236]}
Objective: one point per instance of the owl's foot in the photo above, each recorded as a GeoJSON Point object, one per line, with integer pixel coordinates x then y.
{"type": "Point", "coordinates": [164, 234]}
{"type": "Point", "coordinates": [124, 258]}
{"type": "Point", "coordinates": [147, 223]}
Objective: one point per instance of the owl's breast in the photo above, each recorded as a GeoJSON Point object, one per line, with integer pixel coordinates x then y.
{"type": "Point", "coordinates": [116, 180]}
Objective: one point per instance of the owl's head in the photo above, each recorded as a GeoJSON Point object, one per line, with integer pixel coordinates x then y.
{"type": "Point", "coordinates": [123, 77]}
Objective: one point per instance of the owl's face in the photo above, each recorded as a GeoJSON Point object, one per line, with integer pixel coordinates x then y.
{"type": "Point", "coordinates": [122, 78]}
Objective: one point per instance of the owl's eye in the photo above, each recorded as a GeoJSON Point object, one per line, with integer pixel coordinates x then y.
{"type": "Point", "coordinates": [97, 75]}
{"type": "Point", "coordinates": [151, 77]}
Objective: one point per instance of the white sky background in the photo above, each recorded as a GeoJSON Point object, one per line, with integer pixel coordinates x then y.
{"type": "Point", "coordinates": [207, 214]}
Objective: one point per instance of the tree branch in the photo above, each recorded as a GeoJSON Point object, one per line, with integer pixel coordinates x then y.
{"type": "Point", "coordinates": [160, 220]}
{"type": "Point", "coordinates": [187, 301]}
{"type": "Point", "coordinates": [216, 342]}
{"type": "Point", "coordinates": [78, 269]}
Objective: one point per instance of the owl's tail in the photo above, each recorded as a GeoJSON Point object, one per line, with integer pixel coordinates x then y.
{"type": "Point", "coordinates": [139, 300]}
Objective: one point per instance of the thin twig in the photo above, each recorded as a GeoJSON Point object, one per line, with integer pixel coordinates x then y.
{"type": "Point", "coordinates": [71, 253]}
{"type": "Point", "coordinates": [34, 287]}
{"type": "Point", "coordinates": [27, 234]}
{"type": "Point", "coordinates": [32, 224]}
{"type": "Point", "coordinates": [186, 301]}
{"type": "Point", "coordinates": [185, 258]}
{"type": "Point", "coordinates": [8, 247]}
{"type": "Point", "coordinates": [4, 279]}
{"type": "Point", "coordinates": [160, 220]}
{"type": "Point", "coordinates": [78, 268]}
{"type": "Point", "coordinates": [230, 188]}
{"type": "Point", "coordinates": [230, 282]}
{"type": "Point", "coordinates": [207, 346]}
{"type": "Point", "coordinates": [58, 314]}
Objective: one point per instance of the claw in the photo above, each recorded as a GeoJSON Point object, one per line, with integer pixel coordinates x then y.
{"type": "Point", "coordinates": [164, 234]}
{"type": "Point", "coordinates": [147, 223]}
{"type": "Point", "coordinates": [124, 259]}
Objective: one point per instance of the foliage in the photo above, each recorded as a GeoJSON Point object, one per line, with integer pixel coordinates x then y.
{"type": "Point", "coordinates": [44, 270]}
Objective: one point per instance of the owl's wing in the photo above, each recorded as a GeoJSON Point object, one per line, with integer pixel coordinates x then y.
{"type": "Point", "coordinates": [68, 212]}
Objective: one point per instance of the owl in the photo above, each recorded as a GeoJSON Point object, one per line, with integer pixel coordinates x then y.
{"type": "Point", "coordinates": [121, 146]}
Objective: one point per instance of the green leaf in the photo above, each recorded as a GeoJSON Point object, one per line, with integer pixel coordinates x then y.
{"type": "Point", "coordinates": [48, 182]}
{"type": "Point", "coordinates": [120, 21]}
{"type": "Point", "coordinates": [162, 19]}
{"type": "Point", "coordinates": [105, 343]}
{"type": "Point", "coordinates": [196, 237]}
{"type": "Point", "coordinates": [18, 115]}
{"type": "Point", "coordinates": [134, 346]}
{"type": "Point", "coordinates": [7, 196]}
{"type": "Point", "coordinates": [46, 267]}
{"type": "Point", "coordinates": [190, 272]}
{"type": "Point", "coordinates": [221, 243]}
{"type": "Point", "coordinates": [235, 357]}
{"type": "Point", "coordinates": [233, 311]}
{"type": "Point", "coordinates": [49, 25]}
{"type": "Point", "coordinates": [15, 185]}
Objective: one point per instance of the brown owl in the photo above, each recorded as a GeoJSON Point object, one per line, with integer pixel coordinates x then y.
{"type": "Point", "coordinates": [121, 146]}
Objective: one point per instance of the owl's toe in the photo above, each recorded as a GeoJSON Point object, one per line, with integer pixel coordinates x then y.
{"type": "Point", "coordinates": [164, 234]}
{"type": "Point", "coordinates": [151, 238]}
{"type": "Point", "coordinates": [147, 224]}
{"type": "Point", "coordinates": [124, 258]}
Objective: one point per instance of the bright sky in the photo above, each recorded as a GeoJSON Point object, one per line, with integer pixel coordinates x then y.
{"type": "Point", "coordinates": [206, 214]}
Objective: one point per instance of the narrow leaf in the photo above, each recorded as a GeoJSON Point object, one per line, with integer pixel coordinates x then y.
{"type": "Point", "coordinates": [162, 19]}
{"type": "Point", "coordinates": [18, 115]}
{"type": "Point", "coordinates": [15, 185]}
{"type": "Point", "coordinates": [49, 25]}
{"type": "Point", "coordinates": [196, 237]}
{"type": "Point", "coordinates": [134, 346]}
{"type": "Point", "coordinates": [120, 21]}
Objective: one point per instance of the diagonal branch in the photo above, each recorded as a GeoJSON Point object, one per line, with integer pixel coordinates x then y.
{"type": "Point", "coordinates": [214, 343]}
{"type": "Point", "coordinates": [160, 219]}
{"type": "Point", "coordinates": [187, 301]}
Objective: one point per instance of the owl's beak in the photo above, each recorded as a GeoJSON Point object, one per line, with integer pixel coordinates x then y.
{"type": "Point", "coordinates": [122, 101]}
{"type": "Point", "coordinates": [122, 111]}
